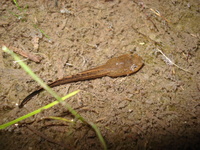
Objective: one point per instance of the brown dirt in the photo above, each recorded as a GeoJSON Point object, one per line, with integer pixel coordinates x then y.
{"type": "Point", "coordinates": [156, 108]}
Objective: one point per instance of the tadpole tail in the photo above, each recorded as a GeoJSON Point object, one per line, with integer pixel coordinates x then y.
{"type": "Point", "coordinates": [30, 96]}
{"type": "Point", "coordinates": [85, 75]}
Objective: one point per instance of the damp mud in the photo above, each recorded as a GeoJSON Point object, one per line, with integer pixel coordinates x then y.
{"type": "Point", "coordinates": [156, 108]}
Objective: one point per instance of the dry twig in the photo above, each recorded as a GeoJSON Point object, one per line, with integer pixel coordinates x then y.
{"type": "Point", "coordinates": [21, 52]}
{"type": "Point", "coordinates": [169, 61]}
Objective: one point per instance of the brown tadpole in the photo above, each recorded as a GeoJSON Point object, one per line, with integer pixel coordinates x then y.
{"type": "Point", "coordinates": [115, 67]}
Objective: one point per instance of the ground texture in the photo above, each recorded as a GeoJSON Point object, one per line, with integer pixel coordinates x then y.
{"type": "Point", "coordinates": [156, 108]}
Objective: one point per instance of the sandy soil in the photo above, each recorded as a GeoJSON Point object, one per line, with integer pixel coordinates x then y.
{"type": "Point", "coordinates": [156, 108]}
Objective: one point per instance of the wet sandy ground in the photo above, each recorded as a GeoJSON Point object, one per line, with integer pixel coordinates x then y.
{"type": "Point", "coordinates": [156, 108]}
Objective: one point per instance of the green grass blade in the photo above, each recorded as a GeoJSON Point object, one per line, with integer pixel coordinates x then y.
{"type": "Point", "coordinates": [3, 126]}
{"type": "Point", "coordinates": [42, 32]}
{"type": "Point", "coordinates": [99, 135]}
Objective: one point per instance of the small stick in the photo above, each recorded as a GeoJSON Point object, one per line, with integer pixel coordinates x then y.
{"type": "Point", "coordinates": [171, 62]}
{"type": "Point", "coordinates": [26, 54]}
{"type": "Point", "coordinates": [158, 14]}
